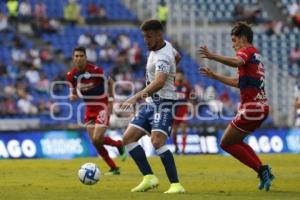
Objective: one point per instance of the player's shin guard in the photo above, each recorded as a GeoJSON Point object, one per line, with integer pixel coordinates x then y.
{"type": "Point", "coordinates": [168, 161]}
{"type": "Point", "coordinates": [138, 155]}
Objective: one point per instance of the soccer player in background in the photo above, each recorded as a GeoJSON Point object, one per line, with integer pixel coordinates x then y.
{"type": "Point", "coordinates": [154, 118]}
{"type": "Point", "coordinates": [89, 80]}
{"type": "Point", "coordinates": [297, 112]}
{"type": "Point", "coordinates": [254, 107]}
{"type": "Point", "coordinates": [183, 90]}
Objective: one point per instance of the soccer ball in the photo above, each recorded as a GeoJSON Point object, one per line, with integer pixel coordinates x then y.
{"type": "Point", "coordinates": [89, 173]}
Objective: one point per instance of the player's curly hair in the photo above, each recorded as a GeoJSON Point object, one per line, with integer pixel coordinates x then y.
{"type": "Point", "coordinates": [243, 29]}
{"type": "Point", "coordinates": [151, 24]}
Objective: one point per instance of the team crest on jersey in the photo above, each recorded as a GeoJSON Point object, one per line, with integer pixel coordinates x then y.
{"type": "Point", "coordinates": [87, 75]}
{"type": "Point", "coordinates": [240, 113]}
{"type": "Point", "coordinates": [102, 116]}
{"type": "Point", "coordinates": [164, 61]}
{"type": "Point", "coordinates": [161, 67]}
{"type": "Point", "coordinates": [257, 57]}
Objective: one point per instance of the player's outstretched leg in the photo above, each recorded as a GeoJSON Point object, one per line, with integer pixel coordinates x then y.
{"type": "Point", "coordinates": [122, 152]}
{"type": "Point", "coordinates": [118, 144]}
{"type": "Point", "coordinates": [266, 177]}
{"type": "Point", "coordinates": [114, 170]}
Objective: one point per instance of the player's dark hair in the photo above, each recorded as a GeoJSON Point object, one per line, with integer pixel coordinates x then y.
{"type": "Point", "coordinates": [243, 29]}
{"type": "Point", "coordinates": [81, 49]}
{"type": "Point", "coordinates": [151, 24]}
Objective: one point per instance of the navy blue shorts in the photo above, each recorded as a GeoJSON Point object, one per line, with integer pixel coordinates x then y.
{"type": "Point", "coordinates": [156, 116]}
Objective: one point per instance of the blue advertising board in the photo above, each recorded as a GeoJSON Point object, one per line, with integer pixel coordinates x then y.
{"type": "Point", "coordinates": [48, 144]}
{"type": "Point", "coordinates": [71, 144]}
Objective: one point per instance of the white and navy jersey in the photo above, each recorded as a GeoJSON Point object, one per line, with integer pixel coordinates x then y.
{"type": "Point", "coordinates": [163, 60]}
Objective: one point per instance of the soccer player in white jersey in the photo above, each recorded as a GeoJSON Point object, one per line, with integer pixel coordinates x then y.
{"type": "Point", "coordinates": [154, 118]}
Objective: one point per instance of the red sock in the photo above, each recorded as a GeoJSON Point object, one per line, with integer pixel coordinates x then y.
{"type": "Point", "coordinates": [111, 142]}
{"type": "Point", "coordinates": [241, 153]}
{"type": "Point", "coordinates": [183, 143]}
{"type": "Point", "coordinates": [104, 154]}
{"type": "Point", "coordinates": [252, 152]}
{"type": "Point", "coordinates": [174, 137]}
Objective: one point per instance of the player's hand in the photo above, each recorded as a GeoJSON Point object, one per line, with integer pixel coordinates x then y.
{"type": "Point", "coordinates": [85, 86]}
{"type": "Point", "coordinates": [125, 106]}
{"type": "Point", "coordinates": [205, 53]}
{"type": "Point", "coordinates": [205, 71]}
{"type": "Point", "coordinates": [73, 97]}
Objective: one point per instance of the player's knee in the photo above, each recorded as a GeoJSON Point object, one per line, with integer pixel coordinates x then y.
{"type": "Point", "coordinates": [157, 143]}
{"type": "Point", "coordinates": [97, 141]}
{"type": "Point", "coordinates": [224, 144]}
{"type": "Point", "coordinates": [126, 141]}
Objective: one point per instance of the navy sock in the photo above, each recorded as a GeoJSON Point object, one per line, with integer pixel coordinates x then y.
{"type": "Point", "coordinates": [138, 155]}
{"type": "Point", "coordinates": [168, 161]}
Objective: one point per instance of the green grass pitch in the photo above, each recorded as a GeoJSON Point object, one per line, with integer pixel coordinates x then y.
{"type": "Point", "coordinates": [203, 176]}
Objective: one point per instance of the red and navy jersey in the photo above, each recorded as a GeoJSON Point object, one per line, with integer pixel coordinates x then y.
{"type": "Point", "coordinates": [90, 74]}
{"type": "Point", "coordinates": [251, 76]}
{"type": "Point", "coordinates": [183, 91]}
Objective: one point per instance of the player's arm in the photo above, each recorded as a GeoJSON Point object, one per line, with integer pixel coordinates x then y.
{"type": "Point", "coordinates": [226, 60]}
{"type": "Point", "coordinates": [110, 84]}
{"type": "Point", "coordinates": [73, 93]}
{"type": "Point", "coordinates": [177, 56]}
{"type": "Point", "coordinates": [231, 81]}
{"type": "Point", "coordinates": [154, 86]}
{"type": "Point", "coordinates": [162, 68]}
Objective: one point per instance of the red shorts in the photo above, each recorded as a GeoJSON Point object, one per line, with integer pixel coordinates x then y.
{"type": "Point", "coordinates": [181, 114]}
{"type": "Point", "coordinates": [250, 117]}
{"type": "Point", "coordinates": [97, 114]}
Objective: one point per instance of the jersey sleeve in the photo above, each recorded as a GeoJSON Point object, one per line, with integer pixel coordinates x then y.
{"type": "Point", "coordinates": [69, 78]}
{"type": "Point", "coordinates": [175, 52]}
{"type": "Point", "coordinates": [163, 64]}
{"type": "Point", "coordinates": [99, 71]}
{"type": "Point", "coordinates": [244, 54]}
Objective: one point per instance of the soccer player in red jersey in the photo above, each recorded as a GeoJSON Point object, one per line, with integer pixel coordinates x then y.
{"type": "Point", "coordinates": [254, 106]}
{"type": "Point", "coordinates": [88, 81]}
{"type": "Point", "coordinates": [297, 112]}
{"type": "Point", "coordinates": [183, 90]}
